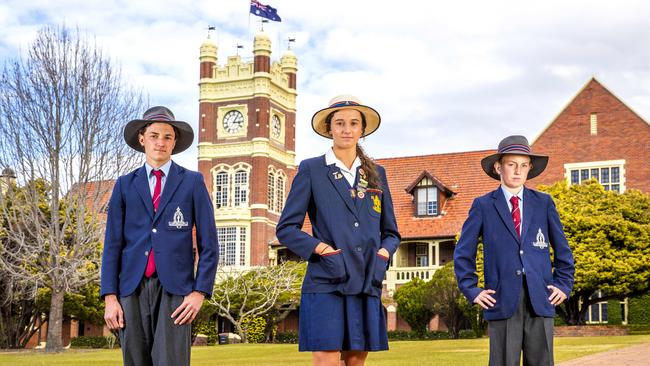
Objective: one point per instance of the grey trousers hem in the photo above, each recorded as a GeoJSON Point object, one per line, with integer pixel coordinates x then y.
{"type": "Point", "coordinates": [149, 336]}
{"type": "Point", "coordinates": [524, 331]}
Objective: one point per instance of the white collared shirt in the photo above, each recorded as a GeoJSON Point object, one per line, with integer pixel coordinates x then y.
{"type": "Point", "coordinates": [349, 174]}
{"type": "Point", "coordinates": [519, 195]}
{"type": "Point", "coordinates": [152, 178]}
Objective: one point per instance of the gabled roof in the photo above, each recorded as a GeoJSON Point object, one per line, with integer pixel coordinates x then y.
{"type": "Point", "coordinates": [425, 174]}
{"type": "Point", "coordinates": [461, 172]}
{"type": "Point", "coordinates": [592, 82]}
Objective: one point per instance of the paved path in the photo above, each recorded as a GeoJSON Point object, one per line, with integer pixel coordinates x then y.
{"type": "Point", "coordinates": [634, 355]}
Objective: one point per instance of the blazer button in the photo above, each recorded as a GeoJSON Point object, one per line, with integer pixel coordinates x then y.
{"type": "Point", "coordinates": [359, 249]}
{"type": "Point", "coordinates": [154, 230]}
{"type": "Point", "coordinates": [521, 252]}
{"type": "Point", "coordinates": [518, 273]}
{"type": "Point", "coordinates": [146, 253]}
{"type": "Point", "coordinates": [356, 224]}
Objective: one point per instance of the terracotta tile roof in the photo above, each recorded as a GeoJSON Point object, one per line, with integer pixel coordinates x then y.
{"type": "Point", "coordinates": [461, 172]}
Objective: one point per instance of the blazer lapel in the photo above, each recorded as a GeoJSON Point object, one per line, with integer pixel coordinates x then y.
{"type": "Point", "coordinates": [171, 184]}
{"type": "Point", "coordinates": [503, 210]}
{"type": "Point", "coordinates": [529, 205]}
{"type": "Point", "coordinates": [341, 187]}
{"type": "Point", "coordinates": [142, 187]}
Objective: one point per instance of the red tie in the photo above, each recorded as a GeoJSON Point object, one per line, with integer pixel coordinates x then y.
{"type": "Point", "coordinates": [151, 263]}
{"type": "Point", "coordinates": [516, 214]}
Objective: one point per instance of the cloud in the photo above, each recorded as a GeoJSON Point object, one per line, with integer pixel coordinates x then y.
{"type": "Point", "coordinates": [445, 76]}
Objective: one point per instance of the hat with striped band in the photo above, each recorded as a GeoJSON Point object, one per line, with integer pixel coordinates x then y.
{"type": "Point", "coordinates": [159, 114]}
{"type": "Point", "coordinates": [515, 145]}
{"type": "Point", "coordinates": [345, 102]}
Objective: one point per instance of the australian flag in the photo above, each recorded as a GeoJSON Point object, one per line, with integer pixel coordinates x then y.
{"type": "Point", "coordinates": [264, 11]}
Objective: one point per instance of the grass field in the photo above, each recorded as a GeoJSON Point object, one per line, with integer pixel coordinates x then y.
{"type": "Point", "coordinates": [440, 353]}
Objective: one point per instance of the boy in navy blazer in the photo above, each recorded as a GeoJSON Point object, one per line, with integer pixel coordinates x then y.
{"type": "Point", "coordinates": [149, 283]}
{"type": "Point", "coordinates": [519, 226]}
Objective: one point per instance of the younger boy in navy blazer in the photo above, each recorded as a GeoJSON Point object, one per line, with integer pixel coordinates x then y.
{"type": "Point", "coordinates": [519, 226]}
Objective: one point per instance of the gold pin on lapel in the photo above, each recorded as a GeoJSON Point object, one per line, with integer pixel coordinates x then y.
{"type": "Point", "coordinates": [337, 175]}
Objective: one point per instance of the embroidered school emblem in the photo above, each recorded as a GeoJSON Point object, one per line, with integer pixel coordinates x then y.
{"type": "Point", "coordinates": [179, 220]}
{"type": "Point", "coordinates": [376, 203]}
{"type": "Point", "coordinates": [540, 240]}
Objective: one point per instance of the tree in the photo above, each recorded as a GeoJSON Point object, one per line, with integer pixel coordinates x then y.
{"type": "Point", "coordinates": [609, 234]}
{"type": "Point", "coordinates": [241, 296]}
{"type": "Point", "coordinates": [443, 297]}
{"type": "Point", "coordinates": [61, 111]}
{"type": "Point", "coordinates": [410, 299]}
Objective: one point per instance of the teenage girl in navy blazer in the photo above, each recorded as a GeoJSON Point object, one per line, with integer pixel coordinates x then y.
{"type": "Point", "coordinates": [354, 233]}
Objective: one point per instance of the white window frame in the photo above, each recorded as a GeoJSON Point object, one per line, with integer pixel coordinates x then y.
{"type": "Point", "coordinates": [600, 165]}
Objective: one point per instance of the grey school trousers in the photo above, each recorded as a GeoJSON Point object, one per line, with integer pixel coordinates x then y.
{"type": "Point", "coordinates": [522, 332]}
{"type": "Point", "coordinates": [149, 336]}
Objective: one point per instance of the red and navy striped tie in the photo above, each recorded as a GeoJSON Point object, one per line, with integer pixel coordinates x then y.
{"type": "Point", "coordinates": [516, 214]}
{"type": "Point", "coordinates": [151, 263]}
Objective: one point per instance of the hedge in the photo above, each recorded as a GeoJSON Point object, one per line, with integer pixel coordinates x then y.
{"type": "Point", "coordinates": [403, 335]}
{"type": "Point", "coordinates": [286, 337]}
{"type": "Point", "coordinates": [90, 342]}
{"type": "Point", "coordinates": [639, 310]}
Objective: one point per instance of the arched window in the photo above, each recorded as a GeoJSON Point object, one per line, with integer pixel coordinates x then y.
{"type": "Point", "coordinates": [271, 191]}
{"type": "Point", "coordinates": [241, 188]}
{"type": "Point", "coordinates": [279, 192]}
{"type": "Point", "coordinates": [221, 189]}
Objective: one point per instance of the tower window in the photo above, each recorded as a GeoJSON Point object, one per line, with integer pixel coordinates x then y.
{"type": "Point", "coordinates": [271, 191]}
{"type": "Point", "coordinates": [221, 189]}
{"type": "Point", "coordinates": [280, 193]}
{"type": "Point", "coordinates": [241, 188]}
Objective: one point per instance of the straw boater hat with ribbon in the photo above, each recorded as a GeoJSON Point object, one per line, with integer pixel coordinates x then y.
{"type": "Point", "coordinates": [517, 145]}
{"type": "Point", "coordinates": [159, 115]}
{"type": "Point", "coordinates": [345, 102]}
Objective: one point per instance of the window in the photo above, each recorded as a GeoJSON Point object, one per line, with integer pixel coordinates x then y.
{"type": "Point", "coordinates": [232, 246]}
{"type": "Point", "coordinates": [593, 121]}
{"type": "Point", "coordinates": [597, 312]}
{"type": "Point", "coordinates": [279, 193]}
{"type": "Point", "coordinates": [221, 189]}
{"type": "Point", "coordinates": [271, 191]}
{"type": "Point", "coordinates": [610, 174]}
{"type": "Point", "coordinates": [427, 200]}
{"type": "Point", "coordinates": [421, 255]}
{"type": "Point", "coordinates": [241, 188]}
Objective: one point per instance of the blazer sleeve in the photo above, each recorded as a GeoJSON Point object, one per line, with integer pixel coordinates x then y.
{"type": "Point", "coordinates": [113, 243]}
{"type": "Point", "coordinates": [563, 265]}
{"type": "Point", "coordinates": [465, 253]}
{"type": "Point", "coordinates": [289, 229]}
{"type": "Point", "coordinates": [390, 237]}
{"type": "Point", "coordinates": [206, 238]}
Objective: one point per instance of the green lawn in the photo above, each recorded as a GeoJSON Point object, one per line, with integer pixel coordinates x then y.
{"type": "Point", "coordinates": [442, 352]}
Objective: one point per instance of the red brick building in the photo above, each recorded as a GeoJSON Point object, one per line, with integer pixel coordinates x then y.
{"type": "Point", "coordinates": [595, 136]}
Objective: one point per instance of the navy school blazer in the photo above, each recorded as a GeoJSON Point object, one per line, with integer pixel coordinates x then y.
{"type": "Point", "coordinates": [356, 227]}
{"type": "Point", "coordinates": [507, 257]}
{"type": "Point", "coordinates": [132, 230]}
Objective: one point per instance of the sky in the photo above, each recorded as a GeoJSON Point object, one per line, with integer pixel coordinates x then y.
{"type": "Point", "coordinates": [445, 76]}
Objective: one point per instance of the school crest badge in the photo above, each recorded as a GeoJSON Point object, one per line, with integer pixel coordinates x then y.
{"type": "Point", "coordinates": [376, 203]}
{"type": "Point", "coordinates": [179, 220]}
{"type": "Point", "coordinates": [540, 240]}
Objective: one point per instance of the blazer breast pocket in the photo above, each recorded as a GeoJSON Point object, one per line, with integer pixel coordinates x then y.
{"type": "Point", "coordinates": [178, 216]}
{"type": "Point", "coordinates": [374, 202]}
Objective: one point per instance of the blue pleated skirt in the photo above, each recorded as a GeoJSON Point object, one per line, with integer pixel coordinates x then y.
{"type": "Point", "coordinates": [335, 322]}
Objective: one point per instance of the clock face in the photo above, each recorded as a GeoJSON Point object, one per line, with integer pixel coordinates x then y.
{"type": "Point", "coordinates": [276, 126]}
{"type": "Point", "coordinates": [233, 121]}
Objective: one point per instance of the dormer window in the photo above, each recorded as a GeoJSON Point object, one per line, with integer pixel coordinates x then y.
{"type": "Point", "coordinates": [426, 195]}
{"type": "Point", "coordinates": [429, 195]}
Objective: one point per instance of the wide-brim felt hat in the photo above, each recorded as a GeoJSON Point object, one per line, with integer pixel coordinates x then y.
{"type": "Point", "coordinates": [517, 145]}
{"type": "Point", "coordinates": [345, 102]}
{"type": "Point", "coordinates": [159, 114]}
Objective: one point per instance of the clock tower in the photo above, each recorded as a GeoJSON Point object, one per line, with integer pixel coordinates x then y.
{"type": "Point", "coordinates": [247, 123]}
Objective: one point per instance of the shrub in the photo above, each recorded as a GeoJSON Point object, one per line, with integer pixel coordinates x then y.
{"type": "Point", "coordinates": [208, 328]}
{"type": "Point", "coordinates": [614, 316]}
{"type": "Point", "coordinates": [403, 335]}
{"type": "Point", "coordinates": [254, 329]}
{"type": "Point", "coordinates": [89, 342]}
{"type": "Point", "coordinates": [639, 310]}
{"type": "Point", "coordinates": [286, 337]}
{"type": "Point", "coordinates": [467, 334]}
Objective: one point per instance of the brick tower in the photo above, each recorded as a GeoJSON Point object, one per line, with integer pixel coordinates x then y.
{"type": "Point", "coordinates": [247, 116]}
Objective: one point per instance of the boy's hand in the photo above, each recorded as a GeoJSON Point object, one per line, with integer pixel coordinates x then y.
{"type": "Point", "coordinates": [485, 300]}
{"type": "Point", "coordinates": [557, 297]}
